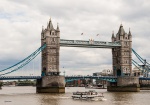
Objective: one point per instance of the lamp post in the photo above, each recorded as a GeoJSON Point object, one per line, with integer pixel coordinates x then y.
{"type": "Point", "coordinates": [64, 73]}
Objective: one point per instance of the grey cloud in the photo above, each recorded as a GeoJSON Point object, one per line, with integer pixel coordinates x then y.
{"type": "Point", "coordinates": [22, 22]}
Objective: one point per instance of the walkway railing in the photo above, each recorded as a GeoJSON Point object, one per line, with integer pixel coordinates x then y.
{"type": "Point", "coordinates": [88, 44]}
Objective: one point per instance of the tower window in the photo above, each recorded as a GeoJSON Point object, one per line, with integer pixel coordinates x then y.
{"type": "Point", "coordinates": [54, 39]}
{"type": "Point", "coordinates": [42, 35]}
{"type": "Point", "coordinates": [50, 67]}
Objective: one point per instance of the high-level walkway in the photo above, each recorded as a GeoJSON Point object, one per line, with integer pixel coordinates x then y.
{"type": "Point", "coordinates": [88, 44]}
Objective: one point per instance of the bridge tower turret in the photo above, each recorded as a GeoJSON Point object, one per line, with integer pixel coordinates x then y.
{"type": "Point", "coordinates": [122, 56]}
{"type": "Point", "coordinates": [51, 81]}
{"type": "Point", "coordinates": [113, 37]}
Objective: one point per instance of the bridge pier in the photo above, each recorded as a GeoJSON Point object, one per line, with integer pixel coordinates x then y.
{"type": "Point", "coordinates": [144, 84]}
{"type": "Point", "coordinates": [51, 84]}
{"type": "Point", "coordinates": [124, 84]}
{"type": "Point", "coordinates": [51, 81]}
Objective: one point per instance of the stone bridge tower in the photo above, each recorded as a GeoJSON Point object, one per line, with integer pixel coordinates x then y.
{"type": "Point", "coordinates": [122, 64]}
{"type": "Point", "coordinates": [51, 81]}
{"type": "Point", "coordinates": [122, 56]}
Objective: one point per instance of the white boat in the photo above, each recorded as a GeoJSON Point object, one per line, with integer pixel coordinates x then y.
{"type": "Point", "coordinates": [90, 95]}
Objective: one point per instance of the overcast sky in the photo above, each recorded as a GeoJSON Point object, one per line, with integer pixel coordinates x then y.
{"type": "Point", "coordinates": [21, 23]}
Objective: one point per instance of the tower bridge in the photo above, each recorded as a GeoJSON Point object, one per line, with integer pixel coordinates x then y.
{"type": "Point", "coordinates": [51, 81]}
{"type": "Point", "coordinates": [121, 46]}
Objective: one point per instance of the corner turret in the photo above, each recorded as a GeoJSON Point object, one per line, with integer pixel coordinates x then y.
{"type": "Point", "coordinates": [42, 29]}
{"type": "Point", "coordinates": [113, 37]}
{"type": "Point", "coordinates": [57, 28]}
{"type": "Point", "coordinates": [130, 35]}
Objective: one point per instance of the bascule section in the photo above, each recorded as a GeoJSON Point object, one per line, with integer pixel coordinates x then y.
{"type": "Point", "coordinates": [122, 63]}
{"type": "Point", "coordinates": [51, 81]}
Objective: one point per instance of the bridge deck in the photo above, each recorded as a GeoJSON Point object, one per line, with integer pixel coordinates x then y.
{"type": "Point", "coordinates": [18, 77]}
{"type": "Point", "coordinates": [67, 77]}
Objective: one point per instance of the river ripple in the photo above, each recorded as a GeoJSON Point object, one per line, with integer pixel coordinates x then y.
{"type": "Point", "coordinates": [27, 96]}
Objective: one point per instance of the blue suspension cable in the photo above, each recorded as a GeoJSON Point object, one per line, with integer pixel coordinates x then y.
{"type": "Point", "coordinates": [22, 60]}
{"type": "Point", "coordinates": [25, 61]}
{"type": "Point", "coordinates": [138, 56]}
{"type": "Point", "coordinates": [134, 63]}
{"type": "Point", "coordinates": [21, 65]}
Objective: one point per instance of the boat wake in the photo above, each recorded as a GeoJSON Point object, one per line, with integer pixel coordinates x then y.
{"type": "Point", "coordinates": [64, 97]}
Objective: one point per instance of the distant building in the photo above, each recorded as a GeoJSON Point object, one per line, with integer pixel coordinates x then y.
{"type": "Point", "coordinates": [142, 71]}
{"type": "Point", "coordinates": [137, 71]}
{"type": "Point", "coordinates": [105, 72]}
{"type": "Point", "coordinates": [97, 74]}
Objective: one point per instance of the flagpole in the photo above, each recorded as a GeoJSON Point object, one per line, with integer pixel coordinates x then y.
{"type": "Point", "coordinates": [82, 36]}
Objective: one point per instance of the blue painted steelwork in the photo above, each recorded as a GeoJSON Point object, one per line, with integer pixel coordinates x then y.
{"type": "Point", "coordinates": [138, 56]}
{"type": "Point", "coordinates": [144, 78]}
{"type": "Point", "coordinates": [22, 63]}
{"type": "Point", "coordinates": [136, 64]}
{"type": "Point", "coordinates": [107, 78]}
{"type": "Point", "coordinates": [88, 44]}
{"type": "Point", "coordinates": [68, 78]}
{"type": "Point", "coordinates": [18, 77]}
{"type": "Point", "coordinates": [145, 67]}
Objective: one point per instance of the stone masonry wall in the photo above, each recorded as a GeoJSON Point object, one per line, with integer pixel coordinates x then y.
{"type": "Point", "coordinates": [127, 81]}
{"type": "Point", "coordinates": [53, 81]}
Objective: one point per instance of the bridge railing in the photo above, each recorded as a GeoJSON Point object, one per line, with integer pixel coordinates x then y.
{"type": "Point", "coordinates": [18, 77]}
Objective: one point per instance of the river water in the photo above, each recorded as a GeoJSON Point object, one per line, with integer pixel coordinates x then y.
{"type": "Point", "coordinates": [27, 96]}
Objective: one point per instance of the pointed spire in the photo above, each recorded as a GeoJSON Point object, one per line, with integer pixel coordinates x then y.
{"type": "Point", "coordinates": [113, 34]}
{"type": "Point", "coordinates": [50, 25]}
{"type": "Point", "coordinates": [121, 30]}
{"type": "Point", "coordinates": [129, 32]}
{"type": "Point", "coordinates": [42, 29]}
{"type": "Point", "coordinates": [57, 27]}
{"type": "Point", "coordinates": [121, 25]}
